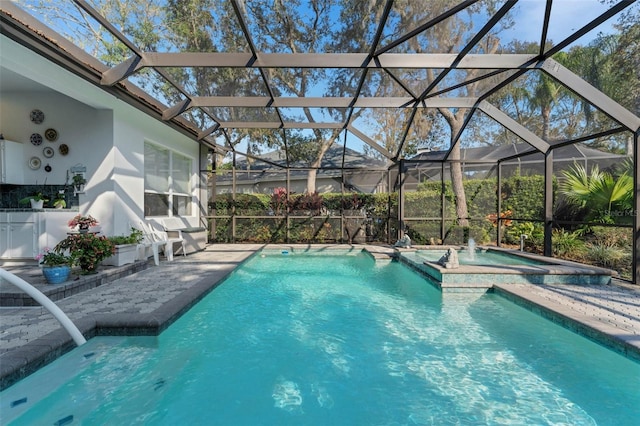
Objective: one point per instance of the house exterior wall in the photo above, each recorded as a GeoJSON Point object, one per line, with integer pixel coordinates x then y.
{"type": "Point", "coordinates": [104, 134]}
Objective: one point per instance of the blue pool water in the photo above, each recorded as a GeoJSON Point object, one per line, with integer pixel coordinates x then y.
{"type": "Point", "coordinates": [317, 340]}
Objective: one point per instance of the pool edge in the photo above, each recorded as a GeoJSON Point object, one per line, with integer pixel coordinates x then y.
{"type": "Point", "coordinates": [580, 324]}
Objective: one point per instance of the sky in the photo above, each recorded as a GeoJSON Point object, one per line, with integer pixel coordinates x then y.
{"type": "Point", "coordinates": [566, 16]}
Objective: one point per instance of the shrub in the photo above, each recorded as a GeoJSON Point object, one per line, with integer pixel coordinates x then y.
{"type": "Point", "coordinates": [611, 236]}
{"type": "Point", "coordinates": [533, 230]}
{"type": "Point", "coordinates": [307, 202]}
{"type": "Point", "coordinates": [605, 256]}
{"type": "Point", "coordinates": [87, 250]}
{"type": "Point", "coordinates": [134, 237]}
{"type": "Point", "coordinates": [567, 244]}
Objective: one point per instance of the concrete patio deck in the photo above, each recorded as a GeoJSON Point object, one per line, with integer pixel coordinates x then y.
{"type": "Point", "coordinates": [148, 301]}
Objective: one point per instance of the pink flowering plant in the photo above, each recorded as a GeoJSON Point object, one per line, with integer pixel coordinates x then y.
{"type": "Point", "coordinates": [86, 250]}
{"type": "Point", "coordinates": [83, 222]}
{"type": "Point", "coordinates": [53, 258]}
{"type": "Point", "coordinates": [279, 200]}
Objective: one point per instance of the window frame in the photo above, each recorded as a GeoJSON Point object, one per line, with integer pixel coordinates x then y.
{"type": "Point", "coordinates": [171, 195]}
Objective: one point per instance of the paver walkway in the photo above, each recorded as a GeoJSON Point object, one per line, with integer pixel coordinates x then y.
{"type": "Point", "coordinates": [608, 314]}
{"type": "Point", "coordinates": [145, 303]}
{"type": "Point", "coordinates": [148, 301]}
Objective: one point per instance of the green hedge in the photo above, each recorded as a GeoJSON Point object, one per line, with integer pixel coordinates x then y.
{"type": "Point", "coordinates": [523, 195]}
{"type": "Point", "coordinates": [376, 214]}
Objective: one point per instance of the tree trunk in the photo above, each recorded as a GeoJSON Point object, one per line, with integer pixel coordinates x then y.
{"type": "Point", "coordinates": [546, 114]}
{"type": "Point", "coordinates": [458, 187]}
{"type": "Point", "coordinates": [324, 147]}
{"type": "Point", "coordinates": [311, 181]}
{"type": "Point", "coordinates": [455, 122]}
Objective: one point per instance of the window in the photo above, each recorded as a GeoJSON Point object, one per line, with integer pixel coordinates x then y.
{"type": "Point", "coordinates": [167, 182]}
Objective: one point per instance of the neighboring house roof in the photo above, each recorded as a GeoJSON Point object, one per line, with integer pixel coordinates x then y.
{"type": "Point", "coordinates": [331, 159]}
{"type": "Point", "coordinates": [491, 154]}
{"type": "Point", "coordinates": [569, 153]}
{"type": "Point", "coordinates": [428, 165]}
{"type": "Point", "coordinates": [362, 179]}
{"type": "Point", "coordinates": [330, 167]}
{"type": "Point", "coordinates": [478, 154]}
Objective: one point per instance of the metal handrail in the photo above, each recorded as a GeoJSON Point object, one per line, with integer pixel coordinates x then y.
{"type": "Point", "coordinates": [39, 297]}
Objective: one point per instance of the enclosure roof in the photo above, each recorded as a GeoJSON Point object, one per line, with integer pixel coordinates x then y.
{"type": "Point", "coordinates": [491, 155]}
{"type": "Point", "coordinates": [379, 77]}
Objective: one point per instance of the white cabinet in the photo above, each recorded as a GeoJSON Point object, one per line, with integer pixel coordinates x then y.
{"type": "Point", "coordinates": [24, 234]}
{"type": "Point", "coordinates": [11, 162]}
{"type": "Point", "coordinates": [19, 233]}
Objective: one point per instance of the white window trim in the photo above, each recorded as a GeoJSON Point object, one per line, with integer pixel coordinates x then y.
{"type": "Point", "coordinates": [171, 193]}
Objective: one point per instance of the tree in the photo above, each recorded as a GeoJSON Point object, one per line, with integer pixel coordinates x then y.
{"type": "Point", "coordinates": [136, 18]}
{"type": "Point", "coordinates": [596, 63]}
{"type": "Point", "coordinates": [286, 28]}
{"type": "Point", "coordinates": [626, 58]}
{"type": "Point", "coordinates": [450, 36]}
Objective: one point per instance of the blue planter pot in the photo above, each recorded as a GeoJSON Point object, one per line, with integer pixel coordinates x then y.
{"type": "Point", "coordinates": [56, 274]}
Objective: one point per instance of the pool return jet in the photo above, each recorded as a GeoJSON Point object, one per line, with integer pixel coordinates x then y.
{"type": "Point", "coordinates": [39, 297]}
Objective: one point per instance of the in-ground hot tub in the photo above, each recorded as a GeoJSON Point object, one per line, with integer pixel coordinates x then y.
{"type": "Point", "coordinates": [484, 267]}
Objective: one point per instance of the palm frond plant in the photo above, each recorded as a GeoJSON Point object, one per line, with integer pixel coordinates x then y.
{"type": "Point", "coordinates": [607, 198]}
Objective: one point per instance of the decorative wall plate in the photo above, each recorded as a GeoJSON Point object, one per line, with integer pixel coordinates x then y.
{"type": "Point", "coordinates": [51, 134]}
{"type": "Point", "coordinates": [34, 163]}
{"type": "Point", "coordinates": [48, 152]}
{"type": "Point", "coordinates": [37, 116]}
{"type": "Point", "coordinates": [36, 139]}
{"type": "Point", "coordinates": [64, 149]}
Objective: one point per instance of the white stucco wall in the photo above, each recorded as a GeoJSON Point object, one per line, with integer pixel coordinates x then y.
{"type": "Point", "coordinates": [104, 134]}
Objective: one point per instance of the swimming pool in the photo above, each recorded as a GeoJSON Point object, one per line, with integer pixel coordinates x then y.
{"type": "Point", "coordinates": [337, 340]}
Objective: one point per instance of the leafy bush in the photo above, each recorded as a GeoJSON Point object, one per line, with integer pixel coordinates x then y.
{"type": "Point", "coordinates": [311, 203]}
{"type": "Point", "coordinates": [606, 198]}
{"type": "Point", "coordinates": [87, 250]}
{"type": "Point", "coordinates": [134, 237]}
{"type": "Point", "coordinates": [524, 196]}
{"type": "Point", "coordinates": [567, 244]}
{"type": "Point", "coordinates": [521, 195]}
{"type": "Point", "coordinates": [534, 232]}
{"type": "Point", "coordinates": [606, 256]}
{"type": "Point", "coordinates": [610, 236]}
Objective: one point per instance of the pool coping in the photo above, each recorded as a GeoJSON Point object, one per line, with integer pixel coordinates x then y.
{"type": "Point", "coordinates": [21, 361]}
{"type": "Point", "coordinates": [600, 332]}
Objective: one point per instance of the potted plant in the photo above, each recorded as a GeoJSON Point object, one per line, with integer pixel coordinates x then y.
{"type": "Point", "coordinates": [126, 248]}
{"type": "Point", "coordinates": [37, 200]}
{"type": "Point", "coordinates": [83, 223]}
{"type": "Point", "coordinates": [60, 202]}
{"type": "Point", "coordinates": [56, 266]}
{"type": "Point", "coordinates": [78, 182]}
{"type": "Point", "coordinates": [87, 250]}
